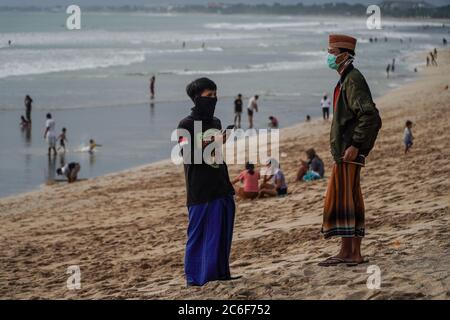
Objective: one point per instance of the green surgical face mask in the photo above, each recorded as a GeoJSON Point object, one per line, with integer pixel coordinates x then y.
{"type": "Point", "coordinates": [331, 61]}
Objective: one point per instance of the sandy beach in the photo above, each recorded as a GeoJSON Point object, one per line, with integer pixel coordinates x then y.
{"type": "Point", "coordinates": [126, 231]}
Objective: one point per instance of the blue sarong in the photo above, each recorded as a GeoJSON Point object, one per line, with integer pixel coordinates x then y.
{"type": "Point", "coordinates": [208, 246]}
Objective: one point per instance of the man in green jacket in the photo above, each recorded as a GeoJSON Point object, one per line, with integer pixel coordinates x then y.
{"type": "Point", "coordinates": [354, 129]}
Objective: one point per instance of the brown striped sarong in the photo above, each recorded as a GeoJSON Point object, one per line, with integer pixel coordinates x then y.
{"type": "Point", "coordinates": [343, 213]}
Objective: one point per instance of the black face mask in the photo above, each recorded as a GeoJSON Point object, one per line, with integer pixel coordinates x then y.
{"type": "Point", "coordinates": [204, 107]}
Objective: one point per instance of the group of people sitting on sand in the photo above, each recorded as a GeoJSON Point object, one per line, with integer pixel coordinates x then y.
{"type": "Point", "coordinates": [273, 180]}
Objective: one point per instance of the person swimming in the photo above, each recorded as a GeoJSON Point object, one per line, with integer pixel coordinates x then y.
{"type": "Point", "coordinates": [93, 145]}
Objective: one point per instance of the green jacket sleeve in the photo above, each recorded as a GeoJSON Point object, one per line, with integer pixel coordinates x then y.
{"type": "Point", "coordinates": [360, 102]}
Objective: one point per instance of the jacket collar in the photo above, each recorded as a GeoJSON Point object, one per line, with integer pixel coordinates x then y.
{"type": "Point", "coordinates": [338, 87]}
{"type": "Point", "coordinates": [345, 73]}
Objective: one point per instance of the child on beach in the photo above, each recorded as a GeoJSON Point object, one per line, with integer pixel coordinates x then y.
{"type": "Point", "coordinates": [408, 136]}
{"type": "Point", "coordinates": [209, 191]}
{"type": "Point", "coordinates": [62, 139]}
{"type": "Point", "coordinates": [23, 122]}
{"type": "Point", "coordinates": [249, 177]}
{"type": "Point", "coordinates": [273, 122]}
{"type": "Point", "coordinates": [93, 145]}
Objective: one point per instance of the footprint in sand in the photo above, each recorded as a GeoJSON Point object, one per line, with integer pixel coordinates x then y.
{"type": "Point", "coordinates": [308, 272]}
{"type": "Point", "coordinates": [241, 264]}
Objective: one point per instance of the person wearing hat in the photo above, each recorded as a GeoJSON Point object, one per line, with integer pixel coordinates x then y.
{"type": "Point", "coordinates": [354, 129]}
{"type": "Point", "coordinates": [274, 181]}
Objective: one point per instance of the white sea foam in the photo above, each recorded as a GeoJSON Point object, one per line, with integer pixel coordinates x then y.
{"type": "Point", "coordinates": [395, 35]}
{"type": "Point", "coordinates": [107, 38]}
{"type": "Point", "coordinates": [175, 51]}
{"type": "Point", "coordinates": [260, 26]}
{"type": "Point", "coordinates": [271, 66]}
{"type": "Point", "coordinates": [412, 23]}
{"type": "Point", "coordinates": [415, 58]}
{"type": "Point", "coordinates": [27, 61]}
{"type": "Point", "coordinates": [283, 94]}
{"type": "Point", "coordinates": [309, 53]}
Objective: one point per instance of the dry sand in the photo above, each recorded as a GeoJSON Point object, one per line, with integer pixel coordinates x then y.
{"type": "Point", "coordinates": [127, 230]}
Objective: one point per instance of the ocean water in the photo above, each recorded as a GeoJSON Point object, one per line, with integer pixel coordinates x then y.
{"type": "Point", "coordinates": [95, 80]}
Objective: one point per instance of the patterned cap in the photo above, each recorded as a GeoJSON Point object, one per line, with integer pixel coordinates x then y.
{"type": "Point", "coordinates": [341, 41]}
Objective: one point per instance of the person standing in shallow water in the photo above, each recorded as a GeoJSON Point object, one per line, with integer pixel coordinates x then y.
{"type": "Point", "coordinates": [50, 134]}
{"type": "Point", "coordinates": [433, 59]}
{"type": "Point", "coordinates": [152, 87]}
{"type": "Point", "coordinates": [238, 111]}
{"type": "Point", "coordinates": [354, 129]}
{"type": "Point", "coordinates": [210, 194]}
{"type": "Point", "coordinates": [28, 101]}
{"type": "Point", "coordinates": [251, 108]}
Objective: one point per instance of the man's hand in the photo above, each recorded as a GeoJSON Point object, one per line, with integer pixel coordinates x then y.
{"type": "Point", "coordinates": [351, 153]}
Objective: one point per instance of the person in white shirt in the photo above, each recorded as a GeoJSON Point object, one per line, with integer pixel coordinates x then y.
{"type": "Point", "coordinates": [325, 104]}
{"type": "Point", "coordinates": [50, 133]}
{"type": "Point", "coordinates": [252, 106]}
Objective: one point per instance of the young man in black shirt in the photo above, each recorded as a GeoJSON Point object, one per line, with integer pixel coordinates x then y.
{"type": "Point", "coordinates": [210, 199]}
{"type": "Point", "coordinates": [238, 111]}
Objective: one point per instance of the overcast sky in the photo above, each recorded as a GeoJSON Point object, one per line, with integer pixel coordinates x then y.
{"type": "Point", "coordinates": [45, 3]}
